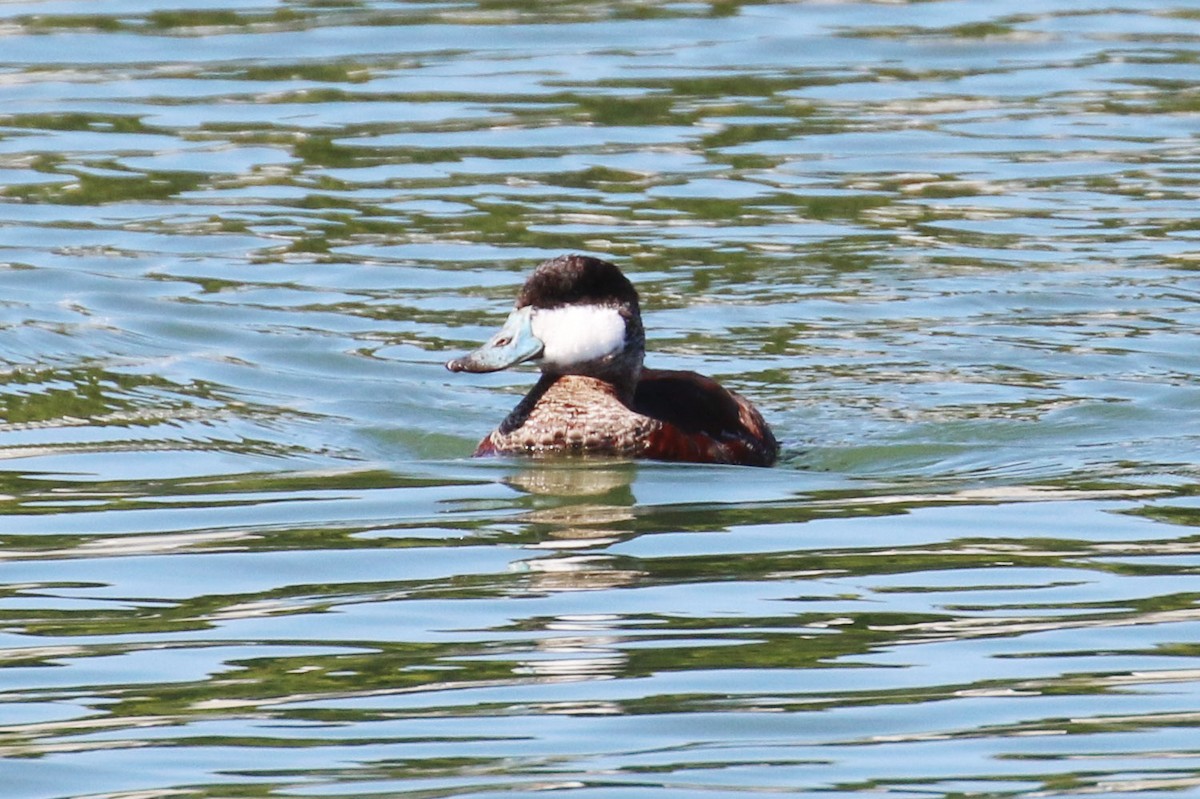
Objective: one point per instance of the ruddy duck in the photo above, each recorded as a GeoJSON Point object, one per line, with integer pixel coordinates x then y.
{"type": "Point", "coordinates": [577, 317]}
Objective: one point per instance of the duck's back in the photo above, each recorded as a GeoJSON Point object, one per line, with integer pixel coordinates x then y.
{"type": "Point", "coordinates": [702, 421]}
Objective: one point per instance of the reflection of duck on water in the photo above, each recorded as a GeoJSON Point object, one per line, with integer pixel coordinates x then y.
{"type": "Point", "coordinates": [578, 318]}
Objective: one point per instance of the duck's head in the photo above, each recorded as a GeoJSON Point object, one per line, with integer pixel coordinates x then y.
{"type": "Point", "coordinates": [574, 315]}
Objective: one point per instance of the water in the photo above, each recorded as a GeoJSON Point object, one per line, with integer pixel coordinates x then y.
{"type": "Point", "coordinates": [949, 248]}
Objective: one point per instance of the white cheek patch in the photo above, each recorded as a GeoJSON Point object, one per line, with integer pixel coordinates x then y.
{"type": "Point", "coordinates": [575, 334]}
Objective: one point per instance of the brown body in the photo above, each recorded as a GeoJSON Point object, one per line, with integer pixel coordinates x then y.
{"type": "Point", "coordinates": [672, 416]}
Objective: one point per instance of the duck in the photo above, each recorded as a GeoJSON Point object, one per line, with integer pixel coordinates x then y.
{"type": "Point", "coordinates": [578, 318]}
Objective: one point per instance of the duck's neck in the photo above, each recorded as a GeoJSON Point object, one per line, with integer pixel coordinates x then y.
{"type": "Point", "coordinates": [621, 371]}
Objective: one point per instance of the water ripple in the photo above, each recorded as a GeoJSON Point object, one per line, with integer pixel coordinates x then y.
{"type": "Point", "coordinates": [948, 247]}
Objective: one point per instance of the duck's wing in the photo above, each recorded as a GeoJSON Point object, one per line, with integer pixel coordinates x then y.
{"type": "Point", "coordinates": [702, 420]}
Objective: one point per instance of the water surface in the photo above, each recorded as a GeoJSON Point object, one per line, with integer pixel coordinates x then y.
{"type": "Point", "coordinates": [949, 248]}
